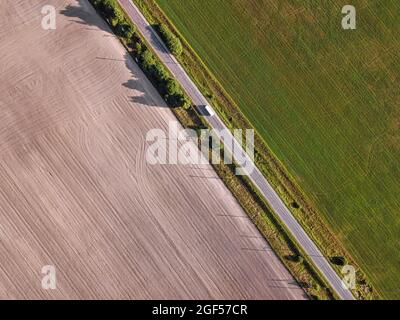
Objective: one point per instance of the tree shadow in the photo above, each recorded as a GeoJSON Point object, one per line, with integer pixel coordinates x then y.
{"type": "Point", "coordinates": [131, 84]}
{"type": "Point", "coordinates": [137, 83]}
{"type": "Point", "coordinates": [155, 37]}
{"type": "Point", "coordinates": [85, 14]}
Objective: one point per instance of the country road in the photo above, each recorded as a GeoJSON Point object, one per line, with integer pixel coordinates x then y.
{"type": "Point", "coordinates": [254, 174]}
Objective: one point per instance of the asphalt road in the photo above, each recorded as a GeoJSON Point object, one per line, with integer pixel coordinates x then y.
{"type": "Point", "coordinates": [247, 165]}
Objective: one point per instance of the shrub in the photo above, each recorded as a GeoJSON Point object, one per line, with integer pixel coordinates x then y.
{"type": "Point", "coordinates": [175, 46]}
{"type": "Point", "coordinates": [106, 7]}
{"type": "Point", "coordinates": [124, 30]}
{"type": "Point", "coordinates": [161, 77]}
{"type": "Point", "coordinates": [177, 100]}
{"type": "Point", "coordinates": [173, 95]}
{"type": "Point", "coordinates": [295, 205]}
{"type": "Point", "coordinates": [138, 48]}
{"type": "Point", "coordinates": [340, 261]}
{"type": "Point", "coordinates": [146, 60]}
{"type": "Point", "coordinates": [117, 18]}
{"type": "Point", "coordinates": [173, 43]}
{"type": "Point", "coordinates": [172, 87]}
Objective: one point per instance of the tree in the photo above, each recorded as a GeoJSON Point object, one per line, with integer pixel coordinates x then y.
{"type": "Point", "coordinates": [173, 43]}
{"type": "Point", "coordinates": [125, 30]}
{"type": "Point", "coordinates": [138, 48]}
{"type": "Point", "coordinates": [172, 87]}
{"type": "Point", "coordinates": [118, 18]}
{"type": "Point", "coordinates": [175, 46]}
{"type": "Point", "coordinates": [146, 60]}
{"type": "Point", "coordinates": [339, 260]}
{"type": "Point", "coordinates": [107, 7]}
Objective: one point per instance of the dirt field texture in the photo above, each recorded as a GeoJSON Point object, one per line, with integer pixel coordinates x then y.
{"type": "Point", "coordinates": [77, 193]}
{"type": "Point", "coordinates": [326, 102]}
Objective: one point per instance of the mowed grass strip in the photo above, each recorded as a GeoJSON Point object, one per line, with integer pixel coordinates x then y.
{"type": "Point", "coordinates": [325, 100]}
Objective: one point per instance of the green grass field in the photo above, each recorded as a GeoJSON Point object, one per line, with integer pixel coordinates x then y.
{"type": "Point", "coordinates": [326, 101]}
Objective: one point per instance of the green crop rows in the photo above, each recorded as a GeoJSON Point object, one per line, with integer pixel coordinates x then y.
{"type": "Point", "coordinates": [325, 100]}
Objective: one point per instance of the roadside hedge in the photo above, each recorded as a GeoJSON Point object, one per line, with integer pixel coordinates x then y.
{"type": "Point", "coordinates": [155, 71]}
{"type": "Point", "coordinates": [173, 42]}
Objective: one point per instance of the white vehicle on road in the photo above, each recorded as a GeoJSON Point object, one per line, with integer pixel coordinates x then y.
{"type": "Point", "coordinates": [206, 110]}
